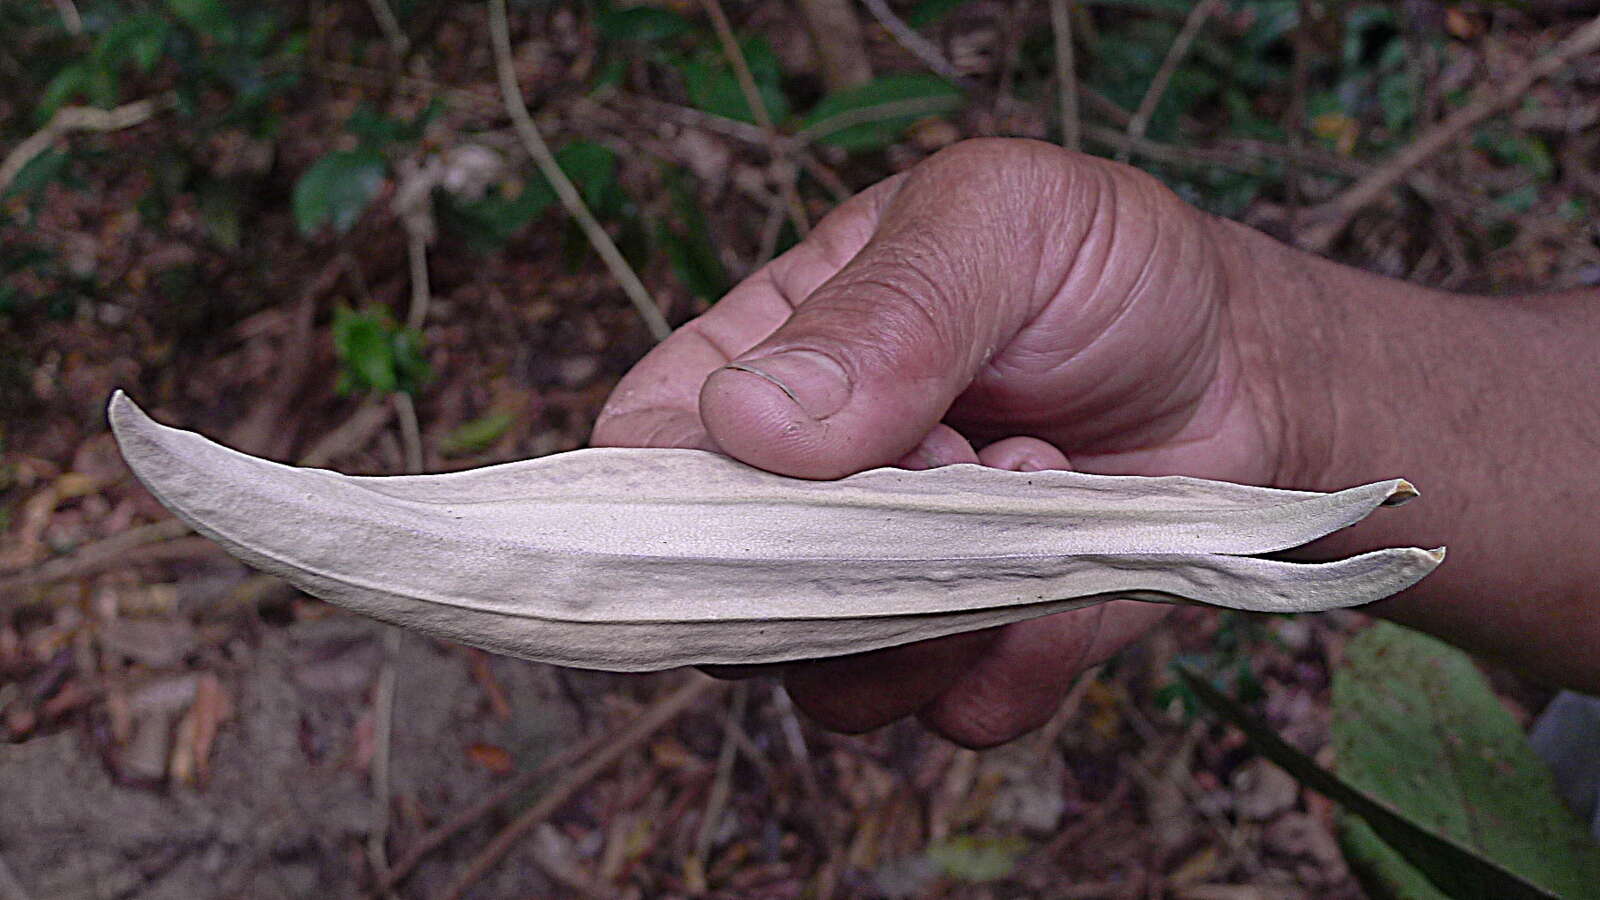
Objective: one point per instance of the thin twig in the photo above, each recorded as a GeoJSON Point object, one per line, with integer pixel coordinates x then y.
{"type": "Point", "coordinates": [1066, 74]}
{"type": "Point", "coordinates": [789, 724]}
{"type": "Point", "coordinates": [828, 178]}
{"type": "Point", "coordinates": [533, 142]}
{"type": "Point", "coordinates": [470, 816]}
{"type": "Point", "coordinates": [78, 118]}
{"type": "Point", "coordinates": [383, 702]}
{"type": "Point", "coordinates": [70, 18]}
{"type": "Point", "coordinates": [836, 33]}
{"type": "Point", "coordinates": [417, 252]}
{"type": "Point", "coordinates": [652, 720]}
{"type": "Point", "coordinates": [93, 558]}
{"type": "Point", "coordinates": [717, 799]}
{"type": "Point", "coordinates": [758, 108]}
{"type": "Point", "coordinates": [771, 230]}
{"type": "Point", "coordinates": [1335, 214]}
{"type": "Point", "coordinates": [1012, 19]}
{"type": "Point", "coordinates": [458, 97]}
{"type": "Point", "coordinates": [1158, 85]}
{"type": "Point", "coordinates": [410, 432]}
{"type": "Point", "coordinates": [907, 37]}
{"type": "Point", "coordinates": [399, 44]}
{"type": "Point", "coordinates": [351, 435]}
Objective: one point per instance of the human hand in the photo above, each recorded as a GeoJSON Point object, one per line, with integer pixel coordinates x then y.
{"type": "Point", "coordinates": [1000, 288]}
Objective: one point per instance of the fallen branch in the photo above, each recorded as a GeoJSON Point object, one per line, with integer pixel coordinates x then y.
{"type": "Point", "coordinates": [77, 118]}
{"type": "Point", "coordinates": [592, 765]}
{"type": "Point", "coordinates": [1197, 17]}
{"type": "Point", "coordinates": [533, 142]}
{"type": "Point", "coordinates": [1332, 217]}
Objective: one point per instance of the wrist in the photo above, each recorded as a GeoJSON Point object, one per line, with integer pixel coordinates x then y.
{"type": "Point", "coordinates": [1282, 317]}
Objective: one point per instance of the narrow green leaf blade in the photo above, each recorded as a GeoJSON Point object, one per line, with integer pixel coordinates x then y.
{"type": "Point", "coordinates": [874, 115]}
{"type": "Point", "coordinates": [1451, 866]}
{"type": "Point", "coordinates": [1416, 725]}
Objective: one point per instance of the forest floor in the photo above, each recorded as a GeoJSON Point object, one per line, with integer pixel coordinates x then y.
{"type": "Point", "coordinates": [173, 724]}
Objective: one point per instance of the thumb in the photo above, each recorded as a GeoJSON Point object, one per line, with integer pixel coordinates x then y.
{"type": "Point", "coordinates": [871, 360]}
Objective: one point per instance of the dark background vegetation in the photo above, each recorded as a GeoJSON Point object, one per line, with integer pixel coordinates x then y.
{"type": "Point", "coordinates": [280, 187]}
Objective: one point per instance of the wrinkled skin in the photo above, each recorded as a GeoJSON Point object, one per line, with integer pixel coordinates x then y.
{"type": "Point", "coordinates": [1004, 294]}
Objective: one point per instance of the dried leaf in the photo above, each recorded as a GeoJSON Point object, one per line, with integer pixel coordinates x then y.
{"type": "Point", "coordinates": [636, 560]}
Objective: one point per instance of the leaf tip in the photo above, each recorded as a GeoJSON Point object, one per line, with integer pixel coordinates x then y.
{"type": "Point", "coordinates": [1400, 492]}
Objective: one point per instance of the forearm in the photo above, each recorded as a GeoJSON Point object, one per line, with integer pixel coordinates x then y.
{"type": "Point", "coordinates": [1492, 407]}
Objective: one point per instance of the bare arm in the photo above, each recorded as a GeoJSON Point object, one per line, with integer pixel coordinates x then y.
{"type": "Point", "coordinates": [1491, 404]}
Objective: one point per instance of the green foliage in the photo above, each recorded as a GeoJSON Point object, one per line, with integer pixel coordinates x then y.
{"type": "Point", "coordinates": [1513, 148]}
{"type": "Point", "coordinates": [377, 355]}
{"type": "Point", "coordinates": [848, 118]}
{"type": "Point", "coordinates": [977, 858]}
{"type": "Point", "coordinates": [222, 205]}
{"type": "Point", "coordinates": [336, 189]}
{"type": "Point", "coordinates": [1459, 870]}
{"type": "Point", "coordinates": [688, 246]}
{"type": "Point", "coordinates": [1416, 726]}
{"type": "Point", "coordinates": [713, 87]}
{"type": "Point", "coordinates": [488, 223]}
{"type": "Point", "coordinates": [1227, 662]}
{"type": "Point", "coordinates": [49, 166]}
{"type": "Point", "coordinates": [932, 12]}
{"type": "Point", "coordinates": [477, 435]}
{"type": "Point", "coordinates": [643, 24]}
{"type": "Point", "coordinates": [379, 132]}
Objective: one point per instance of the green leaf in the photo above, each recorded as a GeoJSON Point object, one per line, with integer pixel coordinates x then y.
{"type": "Point", "coordinates": [487, 224]}
{"type": "Point", "coordinates": [593, 169]}
{"type": "Point", "coordinates": [713, 87]}
{"type": "Point", "coordinates": [645, 24]}
{"type": "Point", "coordinates": [1383, 873]}
{"type": "Point", "coordinates": [374, 355]}
{"type": "Point", "coordinates": [875, 114]}
{"type": "Point", "coordinates": [932, 12]}
{"type": "Point", "coordinates": [1416, 726]}
{"type": "Point", "coordinates": [977, 858]}
{"type": "Point", "coordinates": [378, 131]}
{"type": "Point", "coordinates": [1455, 868]}
{"type": "Point", "coordinates": [67, 84]}
{"type": "Point", "coordinates": [208, 17]}
{"type": "Point", "coordinates": [410, 364]}
{"type": "Point", "coordinates": [220, 210]}
{"type": "Point", "coordinates": [137, 39]}
{"type": "Point", "coordinates": [40, 171]}
{"type": "Point", "coordinates": [687, 243]}
{"type": "Point", "coordinates": [477, 435]}
{"type": "Point", "coordinates": [336, 190]}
